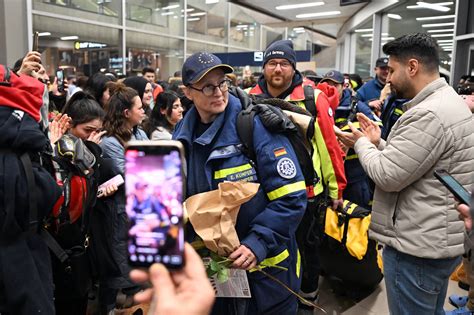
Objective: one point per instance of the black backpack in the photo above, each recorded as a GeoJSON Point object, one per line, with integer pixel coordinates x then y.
{"type": "Point", "coordinates": [273, 117]}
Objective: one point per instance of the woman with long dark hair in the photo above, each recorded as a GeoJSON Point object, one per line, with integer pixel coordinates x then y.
{"type": "Point", "coordinates": [97, 87]}
{"type": "Point", "coordinates": [167, 112]}
{"type": "Point", "coordinates": [124, 112]}
{"type": "Point", "coordinates": [71, 288]}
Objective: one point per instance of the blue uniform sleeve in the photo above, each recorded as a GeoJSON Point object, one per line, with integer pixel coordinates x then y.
{"type": "Point", "coordinates": [364, 108]}
{"type": "Point", "coordinates": [283, 182]}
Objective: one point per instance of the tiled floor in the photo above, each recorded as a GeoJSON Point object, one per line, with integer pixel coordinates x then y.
{"type": "Point", "coordinates": [374, 304]}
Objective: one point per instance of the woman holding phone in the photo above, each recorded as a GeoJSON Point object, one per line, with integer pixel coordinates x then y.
{"type": "Point", "coordinates": [124, 113]}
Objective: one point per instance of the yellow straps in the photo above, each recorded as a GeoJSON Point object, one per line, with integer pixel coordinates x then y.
{"type": "Point", "coordinates": [227, 171]}
{"type": "Point", "coordinates": [286, 189]}
{"type": "Point", "coordinates": [352, 157]}
{"type": "Point", "coordinates": [398, 111]}
{"type": "Point", "coordinates": [273, 261]}
{"type": "Point", "coordinates": [298, 264]}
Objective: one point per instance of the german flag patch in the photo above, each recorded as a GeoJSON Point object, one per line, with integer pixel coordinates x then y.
{"type": "Point", "coordinates": [279, 152]}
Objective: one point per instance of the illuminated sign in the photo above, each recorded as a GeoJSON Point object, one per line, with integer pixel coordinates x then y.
{"type": "Point", "coordinates": [88, 45]}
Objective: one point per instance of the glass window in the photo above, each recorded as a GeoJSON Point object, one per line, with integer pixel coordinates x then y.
{"type": "Point", "coordinates": [411, 16]}
{"type": "Point", "coordinates": [93, 47]}
{"type": "Point", "coordinates": [162, 53]}
{"type": "Point", "coordinates": [102, 7]}
{"type": "Point", "coordinates": [244, 29]}
{"type": "Point", "coordinates": [158, 16]}
{"type": "Point", "coordinates": [271, 34]}
{"type": "Point", "coordinates": [364, 34]}
{"type": "Point", "coordinates": [207, 21]}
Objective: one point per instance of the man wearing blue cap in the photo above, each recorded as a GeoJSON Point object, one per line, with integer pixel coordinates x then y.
{"type": "Point", "coordinates": [369, 93]}
{"type": "Point", "coordinates": [266, 224]}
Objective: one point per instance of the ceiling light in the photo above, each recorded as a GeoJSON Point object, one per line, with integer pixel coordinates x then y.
{"type": "Point", "coordinates": [173, 6]}
{"type": "Point", "coordinates": [298, 29]}
{"type": "Point", "coordinates": [198, 14]}
{"type": "Point", "coordinates": [442, 35]}
{"type": "Point", "coordinates": [212, 1]}
{"type": "Point", "coordinates": [188, 10]}
{"type": "Point", "coordinates": [370, 35]}
{"type": "Point", "coordinates": [438, 24]}
{"type": "Point", "coordinates": [69, 37]}
{"type": "Point", "coordinates": [433, 6]}
{"type": "Point", "coordinates": [317, 14]}
{"type": "Point", "coordinates": [44, 34]}
{"type": "Point", "coordinates": [363, 30]}
{"type": "Point", "coordinates": [441, 31]}
{"type": "Point", "coordinates": [394, 16]}
{"type": "Point", "coordinates": [299, 6]}
{"type": "Point", "coordinates": [445, 40]}
{"type": "Point", "coordinates": [167, 13]}
{"type": "Point", "coordinates": [420, 7]}
{"type": "Point", "coordinates": [388, 38]}
{"type": "Point", "coordinates": [439, 17]}
{"type": "Point", "coordinates": [193, 19]}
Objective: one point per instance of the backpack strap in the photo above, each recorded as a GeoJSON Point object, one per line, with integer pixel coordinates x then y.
{"type": "Point", "coordinates": [245, 121]}
{"type": "Point", "coordinates": [309, 100]}
{"type": "Point", "coordinates": [54, 246]}
{"type": "Point", "coordinates": [32, 200]}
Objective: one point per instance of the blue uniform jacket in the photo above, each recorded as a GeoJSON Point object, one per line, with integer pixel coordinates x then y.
{"type": "Point", "coordinates": [391, 112]}
{"type": "Point", "coordinates": [267, 223]}
{"type": "Point", "coordinates": [370, 91]}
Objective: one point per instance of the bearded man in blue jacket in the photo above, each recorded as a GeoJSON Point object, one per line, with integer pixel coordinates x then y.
{"type": "Point", "coordinates": [267, 223]}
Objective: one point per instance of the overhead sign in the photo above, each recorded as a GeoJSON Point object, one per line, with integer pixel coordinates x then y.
{"type": "Point", "coordinates": [88, 45]}
{"type": "Point", "coordinates": [255, 59]}
{"type": "Point", "coordinates": [258, 56]}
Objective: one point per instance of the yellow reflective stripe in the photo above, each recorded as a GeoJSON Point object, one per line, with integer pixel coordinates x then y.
{"type": "Point", "coordinates": [227, 171]}
{"type": "Point", "coordinates": [298, 264]}
{"type": "Point", "coordinates": [285, 190]}
{"type": "Point", "coordinates": [352, 157]}
{"type": "Point", "coordinates": [341, 120]}
{"type": "Point", "coordinates": [398, 111]}
{"type": "Point", "coordinates": [273, 261]}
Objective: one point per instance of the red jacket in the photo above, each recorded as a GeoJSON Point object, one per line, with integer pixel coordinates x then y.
{"type": "Point", "coordinates": [328, 156]}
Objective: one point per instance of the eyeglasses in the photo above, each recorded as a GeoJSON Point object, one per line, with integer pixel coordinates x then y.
{"type": "Point", "coordinates": [274, 64]}
{"type": "Point", "coordinates": [209, 89]}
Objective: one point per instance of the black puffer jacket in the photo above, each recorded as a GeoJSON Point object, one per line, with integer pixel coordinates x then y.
{"type": "Point", "coordinates": [19, 133]}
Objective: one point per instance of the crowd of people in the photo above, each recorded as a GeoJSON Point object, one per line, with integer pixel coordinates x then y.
{"type": "Point", "coordinates": [372, 145]}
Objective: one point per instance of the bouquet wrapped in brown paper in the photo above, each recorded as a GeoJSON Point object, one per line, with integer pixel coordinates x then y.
{"type": "Point", "coordinates": [213, 214]}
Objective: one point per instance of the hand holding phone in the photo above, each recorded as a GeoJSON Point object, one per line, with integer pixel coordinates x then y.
{"type": "Point", "coordinates": [35, 41]}
{"type": "Point", "coordinates": [459, 192]}
{"type": "Point", "coordinates": [154, 185]}
{"type": "Point", "coordinates": [116, 180]}
{"type": "Point", "coordinates": [60, 80]}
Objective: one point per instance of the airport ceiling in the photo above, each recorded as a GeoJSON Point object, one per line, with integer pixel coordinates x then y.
{"type": "Point", "coordinates": [317, 17]}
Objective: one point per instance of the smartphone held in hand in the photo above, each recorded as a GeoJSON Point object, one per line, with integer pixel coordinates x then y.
{"type": "Point", "coordinates": [459, 192]}
{"type": "Point", "coordinates": [60, 79]}
{"type": "Point", "coordinates": [154, 185]}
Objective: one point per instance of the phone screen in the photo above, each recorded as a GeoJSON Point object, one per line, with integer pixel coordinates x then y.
{"type": "Point", "coordinates": [154, 191]}
{"type": "Point", "coordinates": [454, 186]}
{"type": "Point", "coordinates": [60, 77]}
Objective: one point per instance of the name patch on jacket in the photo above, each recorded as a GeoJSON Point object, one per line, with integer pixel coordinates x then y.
{"type": "Point", "coordinates": [247, 175]}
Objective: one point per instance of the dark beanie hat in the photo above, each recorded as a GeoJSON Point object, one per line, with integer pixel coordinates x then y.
{"type": "Point", "coordinates": [280, 49]}
{"type": "Point", "coordinates": [137, 83]}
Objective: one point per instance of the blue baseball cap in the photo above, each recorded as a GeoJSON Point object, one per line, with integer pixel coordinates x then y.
{"type": "Point", "coordinates": [334, 76]}
{"type": "Point", "coordinates": [199, 64]}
